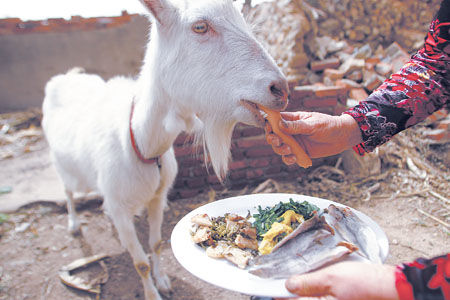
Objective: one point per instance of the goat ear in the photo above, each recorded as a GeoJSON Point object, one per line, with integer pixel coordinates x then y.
{"type": "Point", "coordinates": [156, 8]}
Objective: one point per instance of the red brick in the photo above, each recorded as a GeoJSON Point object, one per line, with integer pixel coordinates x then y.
{"type": "Point", "coordinates": [217, 187]}
{"type": "Point", "coordinates": [294, 105]}
{"type": "Point", "coordinates": [254, 173]}
{"type": "Point", "coordinates": [432, 118]}
{"type": "Point", "coordinates": [212, 179]}
{"type": "Point", "coordinates": [179, 184]}
{"type": "Point", "coordinates": [184, 172]}
{"type": "Point", "coordinates": [260, 151]}
{"type": "Point", "coordinates": [237, 154]}
{"type": "Point", "coordinates": [299, 60]}
{"type": "Point", "coordinates": [339, 109]}
{"type": "Point", "coordinates": [330, 91]}
{"type": "Point", "coordinates": [251, 131]}
{"type": "Point", "coordinates": [183, 139]}
{"type": "Point", "coordinates": [320, 65]}
{"type": "Point", "coordinates": [260, 162]}
{"type": "Point", "coordinates": [275, 160]}
{"type": "Point", "coordinates": [328, 110]}
{"type": "Point", "coordinates": [437, 115]}
{"type": "Point", "coordinates": [358, 94]}
{"type": "Point", "coordinates": [351, 65]}
{"type": "Point", "coordinates": [436, 134]}
{"type": "Point", "coordinates": [235, 165]}
{"type": "Point", "coordinates": [347, 83]}
{"type": "Point", "coordinates": [293, 80]}
{"type": "Point", "coordinates": [319, 85]}
{"type": "Point", "coordinates": [399, 62]}
{"type": "Point", "coordinates": [250, 142]}
{"type": "Point", "coordinates": [373, 82]}
{"type": "Point", "coordinates": [236, 175]}
{"type": "Point", "coordinates": [188, 193]}
{"type": "Point", "coordinates": [189, 161]}
{"type": "Point", "coordinates": [443, 124]}
{"type": "Point", "coordinates": [355, 75]}
{"type": "Point", "coordinates": [333, 74]}
{"type": "Point", "coordinates": [185, 151]}
{"type": "Point", "coordinates": [239, 185]}
{"type": "Point", "coordinates": [384, 69]}
{"type": "Point", "coordinates": [369, 66]}
{"type": "Point", "coordinates": [195, 182]}
{"type": "Point", "coordinates": [199, 171]}
{"type": "Point", "coordinates": [320, 102]}
{"type": "Point", "coordinates": [373, 60]}
{"type": "Point", "coordinates": [274, 169]}
{"type": "Point", "coordinates": [299, 92]}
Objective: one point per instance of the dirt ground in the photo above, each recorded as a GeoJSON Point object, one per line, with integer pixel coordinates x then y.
{"type": "Point", "coordinates": [35, 243]}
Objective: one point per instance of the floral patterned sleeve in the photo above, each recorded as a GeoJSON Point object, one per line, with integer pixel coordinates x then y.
{"type": "Point", "coordinates": [424, 279]}
{"type": "Point", "coordinates": [417, 90]}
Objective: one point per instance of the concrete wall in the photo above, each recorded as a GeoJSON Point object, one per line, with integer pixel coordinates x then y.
{"type": "Point", "coordinates": [28, 61]}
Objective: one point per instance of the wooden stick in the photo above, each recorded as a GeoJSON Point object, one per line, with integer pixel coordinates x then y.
{"type": "Point", "coordinates": [440, 197]}
{"type": "Point", "coordinates": [434, 218]}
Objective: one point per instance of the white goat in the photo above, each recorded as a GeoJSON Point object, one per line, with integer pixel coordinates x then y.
{"type": "Point", "coordinates": [202, 69]}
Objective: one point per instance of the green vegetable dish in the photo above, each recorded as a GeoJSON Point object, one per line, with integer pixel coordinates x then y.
{"type": "Point", "coordinates": [266, 217]}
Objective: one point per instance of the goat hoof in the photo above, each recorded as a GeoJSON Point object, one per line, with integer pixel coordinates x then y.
{"type": "Point", "coordinates": [163, 283]}
{"type": "Point", "coordinates": [152, 295]}
{"type": "Point", "coordinates": [74, 227]}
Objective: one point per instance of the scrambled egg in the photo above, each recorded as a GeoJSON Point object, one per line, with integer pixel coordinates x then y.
{"type": "Point", "coordinates": [277, 229]}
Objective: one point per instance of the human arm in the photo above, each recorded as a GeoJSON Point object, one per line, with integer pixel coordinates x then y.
{"type": "Point", "coordinates": [419, 88]}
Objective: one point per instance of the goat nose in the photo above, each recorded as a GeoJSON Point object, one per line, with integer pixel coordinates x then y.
{"type": "Point", "coordinates": [279, 89]}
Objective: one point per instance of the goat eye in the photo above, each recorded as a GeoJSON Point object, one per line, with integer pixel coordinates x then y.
{"type": "Point", "coordinates": [200, 27]}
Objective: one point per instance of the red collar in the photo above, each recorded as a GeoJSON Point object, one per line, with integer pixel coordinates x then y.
{"type": "Point", "coordinates": [134, 145]}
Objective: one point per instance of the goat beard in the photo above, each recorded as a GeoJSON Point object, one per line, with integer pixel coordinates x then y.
{"type": "Point", "coordinates": [215, 138]}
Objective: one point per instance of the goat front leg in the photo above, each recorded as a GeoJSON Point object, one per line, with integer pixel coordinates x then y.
{"type": "Point", "coordinates": [155, 218]}
{"type": "Point", "coordinates": [128, 238]}
{"type": "Point", "coordinates": [73, 222]}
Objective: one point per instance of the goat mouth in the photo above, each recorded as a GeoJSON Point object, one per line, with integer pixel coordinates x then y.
{"type": "Point", "coordinates": [258, 114]}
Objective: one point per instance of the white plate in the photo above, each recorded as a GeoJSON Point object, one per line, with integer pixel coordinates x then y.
{"type": "Point", "coordinates": [224, 274]}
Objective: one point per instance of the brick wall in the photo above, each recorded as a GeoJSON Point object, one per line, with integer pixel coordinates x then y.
{"type": "Point", "coordinates": [76, 23]}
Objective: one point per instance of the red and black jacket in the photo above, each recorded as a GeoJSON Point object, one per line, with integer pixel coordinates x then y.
{"type": "Point", "coordinates": [417, 90]}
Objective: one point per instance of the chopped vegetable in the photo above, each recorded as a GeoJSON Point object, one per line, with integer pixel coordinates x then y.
{"type": "Point", "coordinates": [266, 217]}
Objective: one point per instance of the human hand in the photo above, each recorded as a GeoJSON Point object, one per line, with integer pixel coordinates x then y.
{"type": "Point", "coordinates": [319, 134]}
{"type": "Point", "coordinates": [345, 281]}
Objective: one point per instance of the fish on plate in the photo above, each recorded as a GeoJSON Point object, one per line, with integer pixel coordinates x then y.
{"type": "Point", "coordinates": [319, 241]}
{"type": "Point", "coordinates": [354, 230]}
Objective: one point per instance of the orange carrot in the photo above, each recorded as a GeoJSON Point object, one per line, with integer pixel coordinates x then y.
{"type": "Point", "coordinates": [274, 119]}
